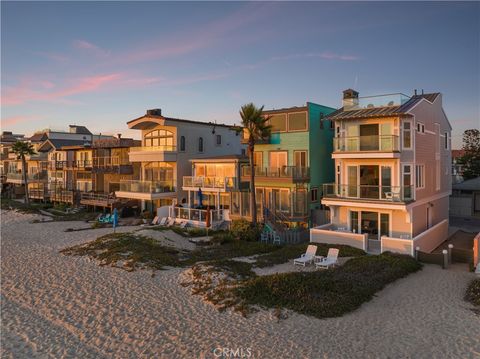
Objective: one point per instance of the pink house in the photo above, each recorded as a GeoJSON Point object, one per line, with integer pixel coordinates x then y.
{"type": "Point", "coordinates": [392, 174]}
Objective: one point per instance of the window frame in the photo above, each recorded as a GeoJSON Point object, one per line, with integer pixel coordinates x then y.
{"type": "Point", "coordinates": [294, 113]}
{"type": "Point", "coordinates": [419, 176]}
{"type": "Point", "coordinates": [403, 135]}
{"type": "Point", "coordinates": [201, 146]}
{"type": "Point", "coordinates": [218, 140]}
{"type": "Point", "coordinates": [421, 127]}
{"type": "Point", "coordinates": [446, 144]}
{"type": "Point", "coordinates": [183, 144]}
{"type": "Point", "coordinates": [286, 122]}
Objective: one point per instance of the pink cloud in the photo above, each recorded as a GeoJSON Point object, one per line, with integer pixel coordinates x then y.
{"type": "Point", "coordinates": [11, 121]}
{"type": "Point", "coordinates": [32, 90]}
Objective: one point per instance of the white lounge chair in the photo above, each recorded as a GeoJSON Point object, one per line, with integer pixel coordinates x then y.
{"type": "Point", "coordinates": [183, 224]}
{"type": "Point", "coordinates": [331, 260]}
{"type": "Point", "coordinates": [163, 221]}
{"type": "Point", "coordinates": [307, 257]}
{"type": "Point", "coordinates": [155, 220]}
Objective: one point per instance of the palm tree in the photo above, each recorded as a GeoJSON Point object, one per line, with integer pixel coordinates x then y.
{"type": "Point", "coordinates": [256, 128]}
{"type": "Point", "coordinates": [22, 149]}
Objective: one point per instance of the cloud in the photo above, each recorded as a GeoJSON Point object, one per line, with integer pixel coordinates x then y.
{"type": "Point", "coordinates": [61, 58]}
{"type": "Point", "coordinates": [90, 47]}
{"type": "Point", "coordinates": [33, 90]}
{"type": "Point", "coordinates": [14, 120]}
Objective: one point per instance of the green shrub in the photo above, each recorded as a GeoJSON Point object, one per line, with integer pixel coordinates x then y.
{"type": "Point", "coordinates": [243, 230]}
{"type": "Point", "coordinates": [327, 293]}
{"type": "Point", "coordinates": [472, 293]}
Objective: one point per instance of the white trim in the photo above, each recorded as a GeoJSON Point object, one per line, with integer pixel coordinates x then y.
{"type": "Point", "coordinates": [430, 132]}
{"type": "Point", "coordinates": [348, 203]}
{"type": "Point", "coordinates": [353, 155]}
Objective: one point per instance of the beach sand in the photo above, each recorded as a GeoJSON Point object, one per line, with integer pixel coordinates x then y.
{"type": "Point", "coordinates": [58, 306]}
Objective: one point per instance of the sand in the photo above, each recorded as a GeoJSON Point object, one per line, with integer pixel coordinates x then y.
{"type": "Point", "coordinates": [57, 306]}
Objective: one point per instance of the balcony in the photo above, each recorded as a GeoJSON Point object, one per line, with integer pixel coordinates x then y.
{"type": "Point", "coordinates": [197, 217]}
{"type": "Point", "coordinates": [146, 190]}
{"type": "Point", "coordinates": [153, 153]}
{"type": "Point", "coordinates": [111, 164]}
{"type": "Point", "coordinates": [37, 193]}
{"type": "Point", "coordinates": [15, 178]}
{"type": "Point", "coordinates": [97, 199]}
{"type": "Point", "coordinates": [343, 147]}
{"type": "Point", "coordinates": [65, 196]}
{"type": "Point", "coordinates": [210, 184]}
{"type": "Point", "coordinates": [285, 173]}
{"type": "Point", "coordinates": [82, 164]}
{"type": "Point", "coordinates": [367, 193]}
{"type": "Point", "coordinates": [57, 165]}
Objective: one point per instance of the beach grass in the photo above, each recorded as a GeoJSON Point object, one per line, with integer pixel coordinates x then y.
{"type": "Point", "coordinates": [328, 293]}
{"type": "Point", "coordinates": [472, 294]}
{"type": "Point", "coordinates": [289, 252]}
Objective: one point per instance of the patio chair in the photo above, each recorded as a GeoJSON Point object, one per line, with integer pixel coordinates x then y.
{"type": "Point", "coordinates": [183, 224]}
{"type": "Point", "coordinates": [331, 260]}
{"type": "Point", "coordinates": [163, 221]}
{"type": "Point", "coordinates": [307, 257]}
{"type": "Point", "coordinates": [155, 220]}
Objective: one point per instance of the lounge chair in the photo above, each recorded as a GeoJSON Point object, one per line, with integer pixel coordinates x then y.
{"type": "Point", "coordinates": [163, 221]}
{"type": "Point", "coordinates": [155, 220]}
{"type": "Point", "coordinates": [330, 260]}
{"type": "Point", "coordinates": [183, 224]}
{"type": "Point", "coordinates": [307, 257]}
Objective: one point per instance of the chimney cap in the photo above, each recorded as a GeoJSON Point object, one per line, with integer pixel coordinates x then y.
{"type": "Point", "coordinates": [350, 93]}
{"type": "Point", "coordinates": [154, 112]}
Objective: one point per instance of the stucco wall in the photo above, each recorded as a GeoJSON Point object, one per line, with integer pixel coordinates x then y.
{"type": "Point", "coordinates": [432, 238]}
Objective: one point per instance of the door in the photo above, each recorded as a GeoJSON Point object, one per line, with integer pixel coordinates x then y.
{"type": "Point", "coordinates": [300, 162]}
{"type": "Point", "coordinates": [369, 182]}
{"type": "Point", "coordinates": [369, 224]}
{"type": "Point", "coordinates": [278, 162]}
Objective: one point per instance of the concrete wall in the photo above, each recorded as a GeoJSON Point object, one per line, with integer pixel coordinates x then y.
{"type": "Point", "coordinates": [438, 211]}
{"type": "Point", "coordinates": [397, 245]}
{"type": "Point", "coordinates": [432, 238]}
{"type": "Point", "coordinates": [323, 234]}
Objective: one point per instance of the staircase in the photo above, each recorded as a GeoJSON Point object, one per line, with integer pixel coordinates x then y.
{"type": "Point", "coordinates": [276, 230]}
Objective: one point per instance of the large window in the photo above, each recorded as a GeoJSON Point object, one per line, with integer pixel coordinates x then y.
{"type": "Point", "coordinates": [159, 138]}
{"type": "Point", "coordinates": [278, 123]}
{"type": "Point", "coordinates": [354, 221]}
{"type": "Point", "coordinates": [407, 135]}
{"type": "Point", "coordinates": [407, 180]}
{"type": "Point", "coordinates": [297, 121]}
{"type": "Point", "coordinates": [420, 176]}
{"type": "Point", "coordinates": [300, 158]}
{"type": "Point", "coordinates": [258, 159]}
{"type": "Point", "coordinates": [158, 171]}
{"type": "Point", "coordinates": [278, 159]}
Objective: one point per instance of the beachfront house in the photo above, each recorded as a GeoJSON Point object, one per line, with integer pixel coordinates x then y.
{"type": "Point", "coordinates": [168, 145]}
{"type": "Point", "coordinates": [392, 174]}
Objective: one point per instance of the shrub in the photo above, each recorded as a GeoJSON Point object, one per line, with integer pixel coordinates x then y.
{"type": "Point", "coordinates": [243, 230]}
{"type": "Point", "coordinates": [472, 293]}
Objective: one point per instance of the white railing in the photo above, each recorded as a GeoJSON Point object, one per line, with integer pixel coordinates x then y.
{"type": "Point", "coordinates": [154, 148]}
{"type": "Point", "coordinates": [225, 183]}
{"type": "Point", "coordinates": [331, 234]}
{"type": "Point", "coordinates": [196, 215]}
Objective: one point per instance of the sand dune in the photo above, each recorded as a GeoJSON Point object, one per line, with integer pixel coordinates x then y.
{"type": "Point", "coordinates": [56, 306]}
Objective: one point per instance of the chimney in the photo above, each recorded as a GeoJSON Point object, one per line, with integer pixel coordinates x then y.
{"type": "Point", "coordinates": [154, 112]}
{"type": "Point", "coordinates": [415, 92]}
{"type": "Point", "coordinates": [119, 135]}
{"type": "Point", "coordinates": [350, 98]}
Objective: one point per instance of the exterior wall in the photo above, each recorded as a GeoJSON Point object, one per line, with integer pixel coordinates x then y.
{"type": "Point", "coordinates": [323, 234]}
{"type": "Point", "coordinates": [432, 238]}
{"type": "Point", "coordinates": [322, 168]}
{"type": "Point", "coordinates": [397, 245]}
{"type": "Point", "coordinates": [438, 212]}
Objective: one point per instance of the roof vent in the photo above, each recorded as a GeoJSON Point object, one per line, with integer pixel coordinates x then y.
{"type": "Point", "coordinates": [154, 112]}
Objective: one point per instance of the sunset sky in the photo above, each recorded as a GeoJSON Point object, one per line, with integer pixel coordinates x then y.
{"type": "Point", "coordinates": [103, 64]}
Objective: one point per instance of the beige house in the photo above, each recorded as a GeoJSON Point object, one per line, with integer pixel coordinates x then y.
{"type": "Point", "coordinates": [392, 174]}
{"type": "Point", "coordinates": [168, 145]}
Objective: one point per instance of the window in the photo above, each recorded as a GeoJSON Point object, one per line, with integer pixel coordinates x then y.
{"type": "Point", "coordinates": [182, 143]}
{"type": "Point", "coordinates": [332, 125]}
{"type": "Point", "coordinates": [446, 140]}
{"type": "Point", "coordinates": [278, 123]}
{"type": "Point", "coordinates": [200, 144]}
{"type": "Point", "coordinates": [407, 135]}
{"type": "Point", "coordinates": [384, 224]}
{"type": "Point", "coordinates": [407, 181]}
{"type": "Point", "coordinates": [420, 128]}
{"type": "Point", "coordinates": [159, 138]}
{"type": "Point", "coordinates": [300, 158]}
{"type": "Point", "coordinates": [297, 122]}
{"type": "Point", "coordinates": [258, 159]}
{"type": "Point", "coordinates": [420, 176]}
{"type": "Point", "coordinates": [338, 179]}
{"type": "Point", "coordinates": [314, 194]}
{"type": "Point", "coordinates": [219, 140]}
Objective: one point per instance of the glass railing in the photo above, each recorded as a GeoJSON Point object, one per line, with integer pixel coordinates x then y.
{"type": "Point", "coordinates": [280, 172]}
{"type": "Point", "coordinates": [382, 193]}
{"type": "Point", "coordinates": [226, 183]}
{"type": "Point", "coordinates": [107, 161]}
{"type": "Point", "coordinates": [82, 163]}
{"type": "Point", "coordinates": [57, 165]}
{"type": "Point", "coordinates": [147, 186]}
{"type": "Point", "coordinates": [198, 215]}
{"type": "Point", "coordinates": [381, 143]}
{"type": "Point", "coordinates": [154, 149]}
{"type": "Point", "coordinates": [97, 197]}
{"type": "Point", "coordinates": [388, 100]}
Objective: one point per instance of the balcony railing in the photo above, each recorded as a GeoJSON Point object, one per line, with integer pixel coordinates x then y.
{"type": "Point", "coordinates": [15, 176]}
{"type": "Point", "coordinates": [293, 172]}
{"type": "Point", "coordinates": [381, 193]}
{"type": "Point", "coordinates": [198, 215]}
{"type": "Point", "coordinates": [147, 186]}
{"type": "Point", "coordinates": [376, 143]}
{"type": "Point", "coordinates": [153, 149]}
{"type": "Point", "coordinates": [225, 183]}
{"type": "Point", "coordinates": [57, 165]}
{"type": "Point", "coordinates": [82, 163]}
{"type": "Point", "coordinates": [92, 197]}
{"type": "Point", "coordinates": [107, 161]}
{"type": "Point", "coordinates": [62, 196]}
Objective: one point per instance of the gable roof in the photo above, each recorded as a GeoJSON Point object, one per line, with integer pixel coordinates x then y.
{"type": "Point", "coordinates": [468, 185]}
{"type": "Point", "coordinates": [342, 114]}
{"type": "Point", "coordinates": [59, 143]}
